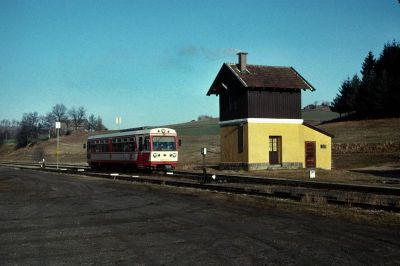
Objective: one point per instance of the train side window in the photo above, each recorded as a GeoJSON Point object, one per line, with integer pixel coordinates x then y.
{"type": "Point", "coordinates": [114, 145]}
{"type": "Point", "coordinates": [125, 147]}
{"type": "Point", "coordinates": [132, 144]}
{"type": "Point", "coordinates": [146, 144]}
{"type": "Point", "coordinates": [140, 143]}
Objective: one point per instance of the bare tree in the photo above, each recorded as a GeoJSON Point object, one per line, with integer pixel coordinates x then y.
{"type": "Point", "coordinates": [325, 104]}
{"type": "Point", "coordinates": [29, 129]}
{"type": "Point", "coordinates": [78, 116]}
{"type": "Point", "coordinates": [48, 122]}
{"type": "Point", "coordinates": [60, 112]}
{"type": "Point", "coordinates": [5, 133]}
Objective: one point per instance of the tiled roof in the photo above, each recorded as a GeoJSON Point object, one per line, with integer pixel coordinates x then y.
{"type": "Point", "coordinates": [256, 76]}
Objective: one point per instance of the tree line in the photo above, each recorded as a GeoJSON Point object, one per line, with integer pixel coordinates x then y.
{"type": "Point", "coordinates": [376, 93]}
{"type": "Point", "coordinates": [32, 125]}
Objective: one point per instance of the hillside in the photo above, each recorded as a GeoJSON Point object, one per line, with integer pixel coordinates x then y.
{"type": "Point", "coordinates": [364, 131]}
{"type": "Point", "coordinates": [315, 117]}
{"type": "Point", "coordinates": [71, 150]}
{"type": "Point", "coordinates": [356, 143]}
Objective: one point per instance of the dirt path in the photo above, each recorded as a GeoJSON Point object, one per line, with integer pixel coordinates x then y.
{"type": "Point", "coordinates": [51, 219]}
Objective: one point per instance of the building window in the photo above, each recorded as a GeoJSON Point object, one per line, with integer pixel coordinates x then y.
{"type": "Point", "coordinates": [240, 139]}
{"type": "Point", "coordinates": [273, 144]}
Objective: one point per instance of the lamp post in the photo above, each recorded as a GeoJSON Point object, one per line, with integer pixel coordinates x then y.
{"type": "Point", "coordinates": [58, 126]}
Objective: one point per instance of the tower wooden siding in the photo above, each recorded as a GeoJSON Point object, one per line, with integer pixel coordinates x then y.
{"type": "Point", "coordinates": [233, 91]}
{"type": "Point", "coordinates": [233, 105]}
{"type": "Point", "coordinates": [278, 103]}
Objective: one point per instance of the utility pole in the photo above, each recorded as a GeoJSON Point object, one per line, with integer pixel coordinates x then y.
{"type": "Point", "coordinates": [58, 126]}
{"type": "Point", "coordinates": [204, 152]}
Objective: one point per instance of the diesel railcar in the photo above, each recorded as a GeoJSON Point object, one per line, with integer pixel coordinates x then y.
{"type": "Point", "coordinates": [151, 149]}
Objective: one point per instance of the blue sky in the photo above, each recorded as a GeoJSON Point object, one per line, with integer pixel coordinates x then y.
{"type": "Point", "coordinates": [152, 62]}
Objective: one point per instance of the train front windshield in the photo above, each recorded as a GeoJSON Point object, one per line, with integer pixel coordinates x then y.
{"type": "Point", "coordinates": [164, 144]}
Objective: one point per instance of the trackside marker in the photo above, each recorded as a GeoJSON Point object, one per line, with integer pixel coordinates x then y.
{"type": "Point", "coordinates": [169, 173]}
{"type": "Point", "coordinates": [81, 170]}
{"type": "Point", "coordinates": [135, 176]}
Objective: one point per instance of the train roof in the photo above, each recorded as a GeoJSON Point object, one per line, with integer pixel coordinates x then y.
{"type": "Point", "coordinates": [153, 131]}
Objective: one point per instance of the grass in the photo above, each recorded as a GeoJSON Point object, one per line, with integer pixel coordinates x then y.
{"type": "Point", "coordinates": [211, 127]}
{"type": "Point", "coordinates": [9, 141]}
{"type": "Point", "coordinates": [361, 160]}
{"type": "Point", "coordinates": [317, 116]}
{"type": "Point", "coordinates": [369, 143]}
{"type": "Point", "coordinates": [364, 131]}
{"type": "Point", "coordinates": [197, 128]}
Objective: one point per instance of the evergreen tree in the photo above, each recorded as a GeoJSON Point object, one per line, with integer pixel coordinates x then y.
{"type": "Point", "coordinates": [345, 101]}
{"type": "Point", "coordinates": [337, 105]}
{"type": "Point", "coordinates": [340, 103]}
{"type": "Point", "coordinates": [365, 105]}
{"type": "Point", "coordinates": [92, 123]}
{"type": "Point", "coordinates": [352, 93]}
{"type": "Point", "coordinates": [100, 126]}
{"type": "Point", "coordinates": [388, 80]}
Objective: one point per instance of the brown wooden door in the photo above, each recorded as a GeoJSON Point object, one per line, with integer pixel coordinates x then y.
{"type": "Point", "coordinates": [274, 150]}
{"type": "Point", "coordinates": [310, 154]}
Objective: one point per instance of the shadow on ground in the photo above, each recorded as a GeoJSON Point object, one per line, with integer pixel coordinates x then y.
{"type": "Point", "coordinates": [387, 173]}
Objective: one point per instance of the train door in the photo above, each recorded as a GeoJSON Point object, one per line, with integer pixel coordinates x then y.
{"type": "Point", "coordinates": [132, 149]}
{"type": "Point", "coordinates": [125, 149]}
{"type": "Point", "coordinates": [146, 151]}
{"type": "Point", "coordinates": [140, 152]}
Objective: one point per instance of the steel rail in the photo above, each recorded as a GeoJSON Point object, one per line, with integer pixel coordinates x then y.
{"type": "Point", "coordinates": [195, 180]}
{"type": "Point", "coordinates": [381, 190]}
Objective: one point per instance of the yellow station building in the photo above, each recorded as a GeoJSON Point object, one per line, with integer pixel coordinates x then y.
{"type": "Point", "coordinates": [260, 119]}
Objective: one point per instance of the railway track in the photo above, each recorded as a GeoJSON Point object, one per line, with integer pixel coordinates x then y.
{"type": "Point", "coordinates": [352, 195]}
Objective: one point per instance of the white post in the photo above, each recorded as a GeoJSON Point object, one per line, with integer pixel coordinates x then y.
{"type": "Point", "coordinates": [58, 125]}
{"type": "Point", "coordinates": [118, 121]}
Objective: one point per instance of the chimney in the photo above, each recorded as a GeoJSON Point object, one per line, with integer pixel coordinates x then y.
{"type": "Point", "coordinates": [242, 61]}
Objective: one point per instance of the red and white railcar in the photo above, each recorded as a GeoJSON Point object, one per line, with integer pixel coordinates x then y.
{"type": "Point", "coordinates": [145, 149]}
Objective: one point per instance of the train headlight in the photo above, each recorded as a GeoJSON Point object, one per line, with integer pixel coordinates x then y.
{"type": "Point", "coordinates": [154, 155]}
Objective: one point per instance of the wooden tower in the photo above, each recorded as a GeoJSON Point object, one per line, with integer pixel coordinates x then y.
{"type": "Point", "coordinates": [260, 119]}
